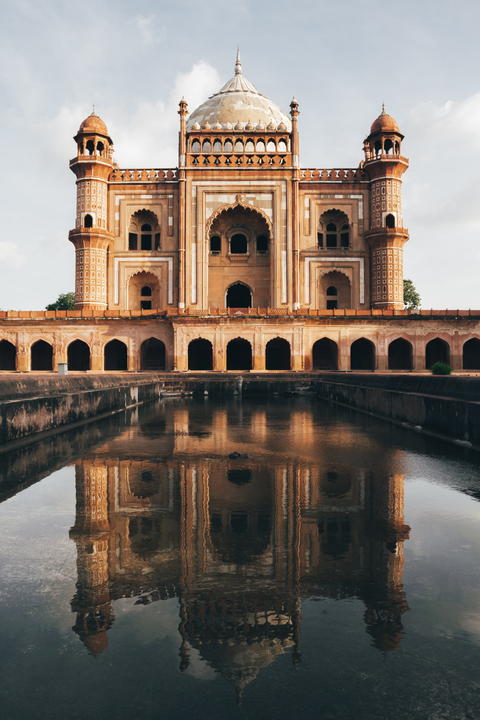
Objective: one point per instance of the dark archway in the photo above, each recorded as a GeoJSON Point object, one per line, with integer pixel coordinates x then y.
{"type": "Point", "coordinates": [78, 355]}
{"type": "Point", "coordinates": [8, 355]}
{"type": "Point", "coordinates": [200, 355]}
{"type": "Point", "coordinates": [41, 356]}
{"type": "Point", "coordinates": [239, 355]}
{"type": "Point", "coordinates": [277, 354]}
{"type": "Point", "coordinates": [115, 355]}
{"type": "Point", "coordinates": [152, 355]}
{"type": "Point", "coordinates": [471, 354]}
{"type": "Point", "coordinates": [362, 355]}
{"type": "Point", "coordinates": [400, 355]}
{"type": "Point", "coordinates": [436, 350]}
{"type": "Point", "coordinates": [239, 296]}
{"type": "Point", "coordinates": [325, 355]}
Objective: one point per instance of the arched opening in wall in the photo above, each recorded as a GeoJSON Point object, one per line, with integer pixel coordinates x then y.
{"type": "Point", "coordinates": [388, 147]}
{"type": "Point", "coordinates": [400, 355]}
{"type": "Point", "coordinates": [239, 295]}
{"type": "Point", "coordinates": [90, 147]}
{"type": "Point", "coordinates": [325, 355]}
{"type": "Point", "coordinates": [8, 355]}
{"type": "Point", "coordinates": [78, 355]}
{"type": "Point", "coordinates": [144, 231]}
{"type": "Point", "coordinates": [88, 221]}
{"type": "Point", "coordinates": [239, 355]}
{"type": "Point", "coordinates": [152, 355]}
{"type": "Point", "coordinates": [200, 355]}
{"type": "Point", "coordinates": [437, 350]}
{"type": "Point", "coordinates": [41, 356]}
{"type": "Point", "coordinates": [335, 291]}
{"type": "Point", "coordinates": [277, 354]}
{"type": "Point", "coordinates": [215, 244]}
{"type": "Point", "coordinates": [333, 230]}
{"type": "Point", "coordinates": [471, 354]}
{"type": "Point", "coordinates": [362, 355]}
{"type": "Point", "coordinates": [238, 244]}
{"type": "Point", "coordinates": [336, 484]}
{"type": "Point", "coordinates": [390, 220]}
{"type": "Point", "coordinates": [282, 146]}
{"type": "Point", "coordinates": [115, 355]}
{"type": "Point", "coordinates": [144, 535]}
{"type": "Point", "coordinates": [144, 291]}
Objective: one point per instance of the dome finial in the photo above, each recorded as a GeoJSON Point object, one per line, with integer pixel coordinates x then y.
{"type": "Point", "coordinates": [383, 108]}
{"type": "Point", "coordinates": [238, 64]}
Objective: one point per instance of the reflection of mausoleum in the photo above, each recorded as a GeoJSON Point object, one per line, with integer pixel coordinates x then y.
{"type": "Point", "coordinates": [239, 258]}
{"type": "Point", "coordinates": [239, 540]}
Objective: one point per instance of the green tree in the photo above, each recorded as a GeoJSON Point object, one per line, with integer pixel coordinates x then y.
{"type": "Point", "coordinates": [65, 301]}
{"type": "Point", "coordinates": [411, 298]}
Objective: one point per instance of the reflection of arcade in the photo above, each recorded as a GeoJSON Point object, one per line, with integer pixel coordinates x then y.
{"type": "Point", "coordinates": [239, 541]}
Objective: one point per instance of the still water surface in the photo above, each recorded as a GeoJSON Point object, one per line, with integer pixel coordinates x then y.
{"type": "Point", "coordinates": [280, 559]}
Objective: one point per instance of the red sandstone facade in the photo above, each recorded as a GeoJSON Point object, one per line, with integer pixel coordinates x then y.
{"type": "Point", "coordinates": [239, 258]}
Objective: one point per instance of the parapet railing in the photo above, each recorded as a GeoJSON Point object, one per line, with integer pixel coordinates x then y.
{"type": "Point", "coordinates": [129, 175]}
{"type": "Point", "coordinates": [332, 174]}
{"type": "Point", "coordinates": [174, 311]}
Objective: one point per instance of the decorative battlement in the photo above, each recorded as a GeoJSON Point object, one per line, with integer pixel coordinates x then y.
{"type": "Point", "coordinates": [142, 175]}
{"type": "Point", "coordinates": [333, 175]}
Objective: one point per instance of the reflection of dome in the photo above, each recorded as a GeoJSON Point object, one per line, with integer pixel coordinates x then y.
{"type": "Point", "coordinates": [384, 123]}
{"type": "Point", "coordinates": [93, 124]}
{"type": "Point", "coordinates": [238, 103]}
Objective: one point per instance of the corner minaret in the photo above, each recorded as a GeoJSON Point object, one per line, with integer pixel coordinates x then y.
{"type": "Point", "coordinates": [92, 167]}
{"type": "Point", "coordinates": [384, 166]}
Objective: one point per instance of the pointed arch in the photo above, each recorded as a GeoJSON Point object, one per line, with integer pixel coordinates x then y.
{"type": "Point", "coordinates": [239, 203]}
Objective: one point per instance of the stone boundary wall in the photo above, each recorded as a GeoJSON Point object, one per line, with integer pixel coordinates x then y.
{"type": "Point", "coordinates": [448, 407]}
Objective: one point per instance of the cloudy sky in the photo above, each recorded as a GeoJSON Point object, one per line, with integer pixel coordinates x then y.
{"type": "Point", "coordinates": [341, 60]}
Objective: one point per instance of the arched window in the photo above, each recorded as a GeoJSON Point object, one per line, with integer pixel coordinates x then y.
{"type": "Point", "coordinates": [215, 244]}
{"type": "Point", "coordinates": [238, 244]}
{"type": "Point", "coordinates": [249, 146]}
{"type": "Point", "coordinates": [345, 236]}
{"type": "Point", "coordinates": [144, 232]}
{"type": "Point", "coordinates": [388, 145]}
{"type": "Point", "coordinates": [260, 146]}
{"type": "Point", "coordinates": [8, 355]}
{"type": "Point", "coordinates": [282, 146]}
{"type": "Point", "coordinates": [206, 147]}
{"type": "Point", "coordinates": [400, 355]}
{"type": "Point", "coordinates": [277, 354]}
{"type": "Point", "coordinates": [100, 148]}
{"type": "Point", "coordinates": [78, 356]}
{"type": "Point", "coordinates": [320, 240]}
{"type": "Point", "coordinates": [378, 148]}
{"type": "Point", "coordinates": [239, 355]}
{"type": "Point", "coordinates": [41, 356]}
{"type": "Point", "coordinates": [239, 296]}
{"type": "Point", "coordinates": [146, 297]}
{"type": "Point", "coordinates": [262, 244]}
{"type": "Point", "coordinates": [200, 354]}
{"type": "Point", "coordinates": [362, 355]}
{"type": "Point", "coordinates": [88, 221]}
{"type": "Point", "coordinates": [332, 297]}
{"type": "Point", "coordinates": [390, 220]}
{"type": "Point", "coordinates": [115, 355]}
{"type": "Point", "coordinates": [331, 235]}
{"type": "Point", "coordinates": [325, 355]}
{"type": "Point", "coordinates": [239, 146]}
{"type": "Point", "coordinates": [217, 146]}
{"type": "Point", "coordinates": [90, 147]}
{"type": "Point", "coordinates": [271, 146]}
{"type": "Point", "coordinates": [152, 355]}
{"type": "Point", "coordinates": [195, 146]}
{"type": "Point", "coordinates": [228, 146]}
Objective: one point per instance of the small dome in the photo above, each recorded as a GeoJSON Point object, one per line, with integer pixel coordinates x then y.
{"type": "Point", "coordinates": [93, 124]}
{"type": "Point", "coordinates": [384, 123]}
{"type": "Point", "coordinates": [238, 102]}
{"type": "Point", "coordinates": [196, 126]}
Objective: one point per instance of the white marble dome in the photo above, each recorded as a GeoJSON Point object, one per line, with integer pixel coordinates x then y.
{"type": "Point", "coordinates": [238, 103]}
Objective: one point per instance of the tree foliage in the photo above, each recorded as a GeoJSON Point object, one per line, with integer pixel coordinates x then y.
{"type": "Point", "coordinates": [411, 298]}
{"type": "Point", "coordinates": [65, 301]}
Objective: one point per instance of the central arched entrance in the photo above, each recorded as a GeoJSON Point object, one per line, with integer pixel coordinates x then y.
{"type": "Point", "coordinates": [200, 354]}
{"type": "Point", "coordinates": [400, 355]}
{"type": "Point", "coordinates": [277, 354]}
{"type": "Point", "coordinates": [115, 355]}
{"type": "Point", "coordinates": [437, 350]}
{"type": "Point", "coordinates": [239, 355]}
{"type": "Point", "coordinates": [238, 295]}
{"type": "Point", "coordinates": [362, 355]}
{"type": "Point", "coordinates": [78, 355]}
{"type": "Point", "coordinates": [41, 357]}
